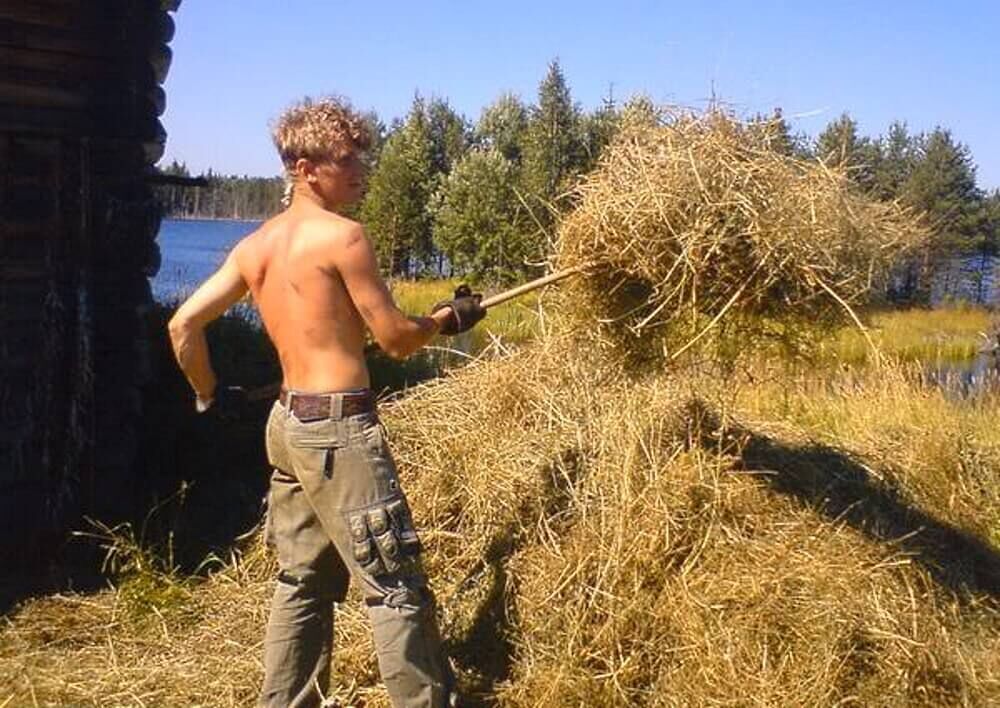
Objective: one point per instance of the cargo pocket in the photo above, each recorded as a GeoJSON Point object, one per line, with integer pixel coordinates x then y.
{"type": "Point", "coordinates": [375, 460]}
{"type": "Point", "coordinates": [383, 538]}
{"type": "Point", "coordinates": [363, 548]}
{"type": "Point", "coordinates": [315, 458]}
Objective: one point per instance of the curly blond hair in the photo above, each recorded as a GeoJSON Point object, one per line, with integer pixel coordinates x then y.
{"type": "Point", "coordinates": [321, 129]}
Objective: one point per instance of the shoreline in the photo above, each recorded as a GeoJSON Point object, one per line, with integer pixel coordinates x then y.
{"type": "Point", "coordinates": [213, 218]}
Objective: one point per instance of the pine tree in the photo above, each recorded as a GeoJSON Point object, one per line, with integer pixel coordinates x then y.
{"type": "Point", "coordinates": [399, 188]}
{"type": "Point", "coordinates": [377, 134]}
{"type": "Point", "coordinates": [639, 111]}
{"type": "Point", "coordinates": [449, 135]}
{"type": "Point", "coordinates": [599, 129]}
{"type": "Point", "coordinates": [775, 132]}
{"type": "Point", "coordinates": [476, 215]}
{"type": "Point", "coordinates": [839, 145]}
{"type": "Point", "coordinates": [942, 184]}
{"type": "Point", "coordinates": [554, 148]}
{"type": "Point", "coordinates": [898, 156]}
{"type": "Point", "coordinates": [503, 126]}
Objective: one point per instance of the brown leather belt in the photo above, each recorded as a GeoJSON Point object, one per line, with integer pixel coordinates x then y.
{"type": "Point", "coordinates": [320, 406]}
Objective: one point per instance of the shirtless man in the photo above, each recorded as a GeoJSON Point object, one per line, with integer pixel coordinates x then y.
{"type": "Point", "coordinates": [335, 507]}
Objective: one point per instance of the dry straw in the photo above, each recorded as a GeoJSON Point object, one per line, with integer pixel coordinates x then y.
{"type": "Point", "coordinates": [599, 541]}
{"type": "Point", "coordinates": [698, 222]}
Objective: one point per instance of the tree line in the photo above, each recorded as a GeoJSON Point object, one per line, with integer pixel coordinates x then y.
{"type": "Point", "coordinates": [932, 173]}
{"type": "Point", "coordinates": [225, 196]}
{"type": "Point", "coordinates": [449, 196]}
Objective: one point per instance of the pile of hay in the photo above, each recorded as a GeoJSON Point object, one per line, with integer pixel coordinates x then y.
{"type": "Point", "coordinates": [698, 221]}
{"type": "Point", "coordinates": [602, 541]}
{"type": "Point", "coordinates": [595, 541]}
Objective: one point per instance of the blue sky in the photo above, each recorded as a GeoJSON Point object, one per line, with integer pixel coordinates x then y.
{"type": "Point", "coordinates": [237, 63]}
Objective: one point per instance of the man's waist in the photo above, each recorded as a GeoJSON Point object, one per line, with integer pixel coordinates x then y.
{"type": "Point", "coordinates": [333, 405]}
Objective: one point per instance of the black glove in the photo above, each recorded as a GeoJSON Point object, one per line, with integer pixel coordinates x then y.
{"type": "Point", "coordinates": [229, 402]}
{"type": "Point", "coordinates": [465, 311]}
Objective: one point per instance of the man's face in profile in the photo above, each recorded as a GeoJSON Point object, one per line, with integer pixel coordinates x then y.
{"type": "Point", "coordinates": [341, 181]}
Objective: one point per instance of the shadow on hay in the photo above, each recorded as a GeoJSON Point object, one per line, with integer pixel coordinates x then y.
{"type": "Point", "coordinates": [487, 646]}
{"type": "Point", "coordinates": [830, 481]}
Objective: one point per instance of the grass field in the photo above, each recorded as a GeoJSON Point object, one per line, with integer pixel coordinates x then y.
{"type": "Point", "coordinates": [513, 322]}
{"type": "Point", "coordinates": [928, 336]}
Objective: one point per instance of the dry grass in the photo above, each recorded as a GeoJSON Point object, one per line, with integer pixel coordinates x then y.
{"type": "Point", "coordinates": [598, 536]}
{"type": "Point", "coordinates": [601, 541]}
{"type": "Point", "coordinates": [697, 224]}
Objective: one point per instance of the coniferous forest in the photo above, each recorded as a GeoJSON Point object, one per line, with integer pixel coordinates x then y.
{"type": "Point", "coordinates": [453, 196]}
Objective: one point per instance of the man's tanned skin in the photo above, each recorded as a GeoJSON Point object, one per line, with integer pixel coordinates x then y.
{"type": "Point", "coordinates": [315, 279]}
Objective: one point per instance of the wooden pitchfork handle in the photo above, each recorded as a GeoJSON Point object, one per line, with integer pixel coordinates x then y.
{"type": "Point", "coordinates": [272, 390]}
{"type": "Point", "coordinates": [529, 286]}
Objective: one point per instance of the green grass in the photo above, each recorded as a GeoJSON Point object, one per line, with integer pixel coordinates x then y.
{"type": "Point", "coordinates": [942, 335]}
{"type": "Point", "coordinates": [513, 322]}
{"type": "Point", "coordinates": [148, 582]}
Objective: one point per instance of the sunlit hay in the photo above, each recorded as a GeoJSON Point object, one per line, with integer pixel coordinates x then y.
{"type": "Point", "coordinates": [98, 650]}
{"type": "Point", "coordinates": [698, 226]}
{"type": "Point", "coordinates": [595, 540]}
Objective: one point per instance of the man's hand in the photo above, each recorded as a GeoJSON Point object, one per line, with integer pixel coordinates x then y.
{"type": "Point", "coordinates": [465, 311]}
{"type": "Point", "coordinates": [229, 402]}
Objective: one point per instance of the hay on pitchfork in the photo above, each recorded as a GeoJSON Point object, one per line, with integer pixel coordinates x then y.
{"type": "Point", "coordinates": [697, 223]}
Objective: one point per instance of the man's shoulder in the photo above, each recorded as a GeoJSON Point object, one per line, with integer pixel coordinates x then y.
{"type": "Point", "coordinates": [334, 226]}
{"type": "Point", "coordinates": [252, 241]}
{"type": "Point", "coordinates": [332, 232]}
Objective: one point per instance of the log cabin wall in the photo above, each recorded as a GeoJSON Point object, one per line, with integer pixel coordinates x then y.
{"type": "Point", "coordinates": [80, 96]}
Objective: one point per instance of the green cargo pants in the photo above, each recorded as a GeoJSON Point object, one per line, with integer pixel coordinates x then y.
{"type": "Point", "coordinates": [335, 512]}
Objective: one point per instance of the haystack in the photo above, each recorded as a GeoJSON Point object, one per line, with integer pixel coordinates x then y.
{"type": "Point", "coordinates": [698, 222]}
{"type": "Point", "coordinates": [597, 541]}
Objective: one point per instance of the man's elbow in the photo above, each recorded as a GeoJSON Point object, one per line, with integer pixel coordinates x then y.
{"type": "Point", "coordinates": [398, 343]}
{"type": "Point", "coordinates": [180, 327]}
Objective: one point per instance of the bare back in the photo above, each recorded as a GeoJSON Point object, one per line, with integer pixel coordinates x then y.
{"type": "Point", "coordinates": [289, 265]}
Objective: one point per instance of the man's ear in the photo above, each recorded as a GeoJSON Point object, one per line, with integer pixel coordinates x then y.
{"type": "Point", "coordinates": [305, 169]}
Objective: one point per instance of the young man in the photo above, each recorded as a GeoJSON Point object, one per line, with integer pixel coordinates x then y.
{"type": "Point", "coordinates": [336, 509]}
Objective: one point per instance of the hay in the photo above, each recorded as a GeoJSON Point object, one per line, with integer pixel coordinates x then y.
{"type": "Point", "coordinates": [597, 542]}
{"type": "Point", "coordinates": [696, 220]}
{"type": "Point", "coordinates": [605, 536]}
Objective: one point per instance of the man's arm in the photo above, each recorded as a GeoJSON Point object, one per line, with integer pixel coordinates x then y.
{"type": "Point", "coordinates": [187, 326]}
{"type": "Point", "coordinates": [396, 334]}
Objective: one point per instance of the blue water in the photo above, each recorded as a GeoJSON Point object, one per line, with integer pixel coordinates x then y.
{"type": "Point", "coordinates": [191, 251]}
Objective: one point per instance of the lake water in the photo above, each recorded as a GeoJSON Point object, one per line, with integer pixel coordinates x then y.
{"type": "Point", "coordinates": [191, 251]}
{"type": "Point", "coordinates": [967, 378]}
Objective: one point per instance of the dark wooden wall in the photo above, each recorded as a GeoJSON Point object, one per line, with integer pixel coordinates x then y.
{"type": "Point", "coordinates": [80, 97]}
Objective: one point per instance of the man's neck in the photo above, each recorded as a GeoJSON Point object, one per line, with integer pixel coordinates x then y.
{"type": "Point", "coordinates": [305, 198]}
